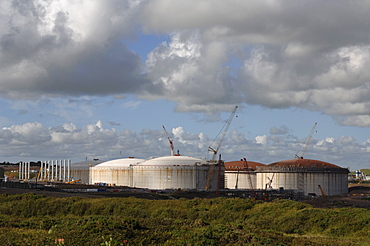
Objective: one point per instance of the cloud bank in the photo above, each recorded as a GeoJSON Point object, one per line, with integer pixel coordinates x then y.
{"type": "Point", "coordinates": [33, 141]}
{"type": "Point", "coordinates": [277, 54]}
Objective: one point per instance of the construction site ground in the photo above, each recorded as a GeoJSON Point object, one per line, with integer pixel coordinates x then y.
{"type": "Point", "coordinates": [358, 196]}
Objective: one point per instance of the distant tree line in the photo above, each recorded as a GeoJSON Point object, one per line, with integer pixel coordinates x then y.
{"type": "Point", "coordinates": [32, 163]}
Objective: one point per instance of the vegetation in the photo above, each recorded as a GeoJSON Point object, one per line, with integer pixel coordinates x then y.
{"type": "Point", "coordinates": [31, 219]}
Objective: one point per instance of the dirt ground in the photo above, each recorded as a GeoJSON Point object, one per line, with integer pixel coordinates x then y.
{"type": "Point", "coordinates": [358, 196]}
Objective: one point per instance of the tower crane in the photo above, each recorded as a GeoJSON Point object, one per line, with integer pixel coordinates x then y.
{"type": "Point", "coordinates": [305, 144]}
{"type": "Point", "coordinates": [225, 128]}
{"type": "Point", "coordinates": [269, 184]}
{"type": "Point", "coordinates": [212, 162]}
{"type": "Point", "coordinates": [169, 140]}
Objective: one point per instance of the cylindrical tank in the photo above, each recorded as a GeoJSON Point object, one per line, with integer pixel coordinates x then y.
{"type": "Point", "coordinates": [304, 175]}
{"type": "Point", "coordinates": [81, 170]}
{"type": "Point", "coordinates": [177, 172]}
{"type": "Point", "coordinates": [238, 173]}
{"type": "Point", "coordinates": [114, 172]}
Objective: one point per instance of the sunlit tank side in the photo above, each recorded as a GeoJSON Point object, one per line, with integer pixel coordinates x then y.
{"type": "Point", "coordinates": [81, 170]}
{"type": "Point", "coordinates": [114, 172]}
{"type": "Point", "coordinates": [174, 172]}
{"type": "Point", "coordinates": [236, 174]}
{"type": "Point", "coordinates": [304, 175]}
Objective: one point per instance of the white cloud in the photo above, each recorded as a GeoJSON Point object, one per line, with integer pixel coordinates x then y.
{"type": "Point", "coordinates": [52, 47]}
{"type": "Point", "coordinates": [262, 140]}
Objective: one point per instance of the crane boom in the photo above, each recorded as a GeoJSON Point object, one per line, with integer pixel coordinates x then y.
{"type": "Point", "coordinates": [226, 128]}
{"type": "Point", "coordinates": [306, 142]}
{"type": "Point", "coordinates": [170, 141]}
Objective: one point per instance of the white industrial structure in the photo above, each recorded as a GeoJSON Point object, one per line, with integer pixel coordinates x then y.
{"type": "Point", "coordinates": [177, 172]}
{"type": "Point", "coordinates": [81, 170]}
{"type": "Point", "coordinates": [114, 172]}
{"type": "Point", "coordinates": [24, 170]}
{"type": "Point", "coordinates": [305, 175]}
{"type": "Point", "coordinates": [53, 170]}
{"type": "Point", "coordinates": [241, 174]}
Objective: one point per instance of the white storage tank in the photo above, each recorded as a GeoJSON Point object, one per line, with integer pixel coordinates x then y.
{"type": "Point", "coordinates": [237, 174]}
{"type": "Point", "coordinates": [81, 170]}
{"type": "Point", "coordinates": [177, 172]}
{"type": "Point", "coordinates": [308, 176]}
{"type": "Point", "coordinates": [114, 172]}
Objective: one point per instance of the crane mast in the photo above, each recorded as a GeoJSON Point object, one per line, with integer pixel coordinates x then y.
{"type": "Point", "coordinates": [248, 170]}
{"type": "Point", "coordinates": [170, 141]}
{"type": "Point", "coordinates": [225, 128]}
{"type": "Point", "coordinates": [215, 150]}
{"type": "Point", "coordinates": [305, 144]}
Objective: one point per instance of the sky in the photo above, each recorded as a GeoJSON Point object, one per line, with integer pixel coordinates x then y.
{"type": "Point", "coordinates": [99, 79]}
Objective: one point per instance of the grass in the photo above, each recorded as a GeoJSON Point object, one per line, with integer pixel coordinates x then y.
{"type": "Point", "coordinates": [30, 219]}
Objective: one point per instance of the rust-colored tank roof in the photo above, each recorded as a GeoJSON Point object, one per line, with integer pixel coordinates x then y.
{"type": "Point", "coordinates": [304, 163]}
{"type": "Point", "coordinates": [240, 165]}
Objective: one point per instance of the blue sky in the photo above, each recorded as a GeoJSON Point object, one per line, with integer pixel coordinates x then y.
{"type": "Point", "coordinates": [97, 83]}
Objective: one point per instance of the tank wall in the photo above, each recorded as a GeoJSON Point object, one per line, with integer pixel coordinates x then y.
{"type": "Point", "coordinates": [111, 176]}
{"type": "Point", "coordinates": [331, 183]}
{"type": "Point", "coordinates": [163, 177]}
{"type": "Point", "coordinates": [235, 180]}
{"type": "Point", "coordinates": [173, 177]}
{"type": "Point", "coordinates": [286, 180]}
{"type": "Point", "coordinates": [84, 175]}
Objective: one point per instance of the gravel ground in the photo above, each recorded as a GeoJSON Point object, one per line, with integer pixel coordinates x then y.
{"type": "Point", "coordinates": [358, 196]}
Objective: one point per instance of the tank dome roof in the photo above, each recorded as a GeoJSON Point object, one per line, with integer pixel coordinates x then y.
{"type": "Point", "coordinates": [303, 163]}
{"type": "Point", "coordinates": [90, 163]}
{"type": "Point", "coordinates": [297, 165]}
{"type": "Point", "coordinates": [238, 165]}
{"type": "Point", "coordinates": [124, 162]}
{"type": "Point", "coordinates": [173, 161]}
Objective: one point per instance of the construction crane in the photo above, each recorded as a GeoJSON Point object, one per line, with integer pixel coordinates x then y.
{"type": "Point", "coordinates": [74, 181]}
{"type": "Point", "coordinates": [212, 163]}
{"type": "Point", "coordinates": [223, 132]}
{"type": "Point", "coordinates": [248, 170]}
{"type": "Point", "coordinates": [322, 190]}
{"type": "Point", "coordinates": [305, 144]}
{"type": "Point", "coordinates": [269, 184]}
{"type": "Point", "coordinates": [169, 140]}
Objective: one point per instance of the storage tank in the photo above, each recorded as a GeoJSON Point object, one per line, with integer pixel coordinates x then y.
{"type": "Point", "coordinates": [237, 174]}
{"type": "Point", "coordinates": [114, 172]}
{"type": "Point", "coordinates": [308, 176]}
{"type": "Point", "coordinates": [81, 170]}
{"type": "Point", "coordinates": [177, 172]}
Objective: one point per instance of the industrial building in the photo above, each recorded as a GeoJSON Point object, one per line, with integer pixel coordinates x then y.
{"type": "Point", "coordinates": [241, 174]}
{"type": "Point", "coordinates": [312, 177]}
{"type": "Point", "coordinates": [114, 172]}
{"type": "Point", "coordinates": [178, 172]}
